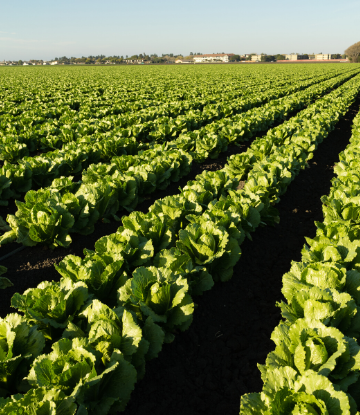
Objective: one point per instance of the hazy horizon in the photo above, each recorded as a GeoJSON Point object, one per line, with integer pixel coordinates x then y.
{"type": "Point", "coordinates": [45, 30]}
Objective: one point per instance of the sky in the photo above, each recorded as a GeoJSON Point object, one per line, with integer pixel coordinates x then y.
{"type": "Point", "coordinates": [45, 29]}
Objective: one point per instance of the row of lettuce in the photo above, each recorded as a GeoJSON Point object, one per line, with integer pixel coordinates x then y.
{"type": "Point", "coordinates": [40, 171]}
{"type": "Point", "coordinates": [80, 344]}
{"type": "Point", "coordinates": [49, 215]}
{"type": "Point", "coordinates": [315, 367]}
{"type": "Point", "coordinates": [36, 172]}
{"type": "Point", "coordinates": [35, 127]}
{"type": "Point", "coordinates": [43, 97]}
{"type": "Point", "coordinates": [28, 134]}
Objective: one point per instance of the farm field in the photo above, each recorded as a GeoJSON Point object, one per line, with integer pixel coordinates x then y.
{"type": "Point", "coordinates": [157, 210]}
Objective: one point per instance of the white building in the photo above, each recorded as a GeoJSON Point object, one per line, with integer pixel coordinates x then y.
{"type": "Point", "coordinates": [294, 57]}
{"type": "Point", "coordinates": [256, 58]}
{"type": "Point", "coordinates": [134, 60]}
{"type": "Point", "coordinates": [323, 56]}
{"type": "Point", "coordinates": [212, 57]}
{"type": "Point", "coordinates": [54, 63]}
{"type": "Point", "coordinates": [183, 61]}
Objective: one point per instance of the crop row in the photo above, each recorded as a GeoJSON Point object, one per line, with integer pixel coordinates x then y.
{"type": "Point", "coordinates": [31, 133]}
{"type": "Point", "coordinates": [50, 97]}
{"type": "Point", "coordinates": [209, 141]}
{"type": "Point", "coordinates": [315, 366]}
{"type": "Point", "coordinates": [102, 324]}
{"type": "Point", "coordinates": [86, 107]}
{"type": "Point", "coordinates": [48, 215]}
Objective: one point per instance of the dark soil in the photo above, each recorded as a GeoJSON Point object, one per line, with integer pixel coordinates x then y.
{"type": "Point", "coordinates": [210, 365]}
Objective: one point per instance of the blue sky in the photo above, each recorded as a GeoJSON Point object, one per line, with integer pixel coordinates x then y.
{"type": "Point", "coordinates": [44, 29]}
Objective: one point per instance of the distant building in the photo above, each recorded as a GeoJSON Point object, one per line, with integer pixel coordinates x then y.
{"type": "Point", "coordinates": [46, 63]}
{"type": "Point", "coordinates": [184, 61]}
{"type": "Point", "coordinates": [134, 60]}
{"type": "Point", "coordinates": [212, 57]}
{"type": "Point", "coordinates": [295, 57]}
{"type": "Point", "coordinates": [256, 58]}
{"type": "Point", "coordinates": [323, 56]}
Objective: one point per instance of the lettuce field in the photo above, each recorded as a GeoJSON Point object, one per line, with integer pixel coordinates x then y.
{"type": "Point", "coordinates": [180, 239]}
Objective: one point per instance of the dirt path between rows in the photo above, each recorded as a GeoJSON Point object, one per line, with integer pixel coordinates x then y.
{"type": "Point", "coordinates": [208, 368]}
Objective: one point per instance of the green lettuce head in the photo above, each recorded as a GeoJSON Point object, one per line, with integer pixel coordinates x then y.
{"type": "Point", "coordinates": [150, 226]}
{"type": "Point", "coordinates": [125, 245]}
{"type": "Point", "coordinates": [19, 345]}
{"type": "Point", "coordinates": [111, 329]}
{"type": "Point", "coordinates": [52, 304]}
{"type": "Point", "coordinates": [39, 401]}
{"type": "Point", "coordinates": [209, 245]}
{"type": "Point", "coordinates": [161, 295]}
{"type": "Point", "coordinates": [287, 393]}
{"type": "Point", "coordinates": [73, 368]}
{"type": "Point", "coordinates": [102, 279]}
{"type": "Point", "coordinates": [180, 264]}
{"type": "Point", "coordinates": [327, 306]}
{"type": "Point", "coordinates": [322, 249]}
{"type": "Point", "coordinates": [309, 345]}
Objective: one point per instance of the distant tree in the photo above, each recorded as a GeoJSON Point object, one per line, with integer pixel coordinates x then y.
{"type": "Point", "coordinates": [267, 58]}
{"type": "Point", "coordinates": [353, 52]}
{"type": "Point", "coordinates": [158, 60]}
{"type": "Point", "coordinates": [191, 53]}
{"type": "Point", "coordinates": [336, 56]}
{"type": "Point", "coordinates": [235, 58]}
{"type": "Point", "coordinates": [56, 59]}
{"type": "Point", "coordinates": [280, 57]}
{"type": "Point", "coordinates": [20, 62]}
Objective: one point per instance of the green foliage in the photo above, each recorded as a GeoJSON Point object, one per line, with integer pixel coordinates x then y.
{"type": "Point", "coordinates": [115, 307]}
{"type": "Point", "coordinates": [315, 365]}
